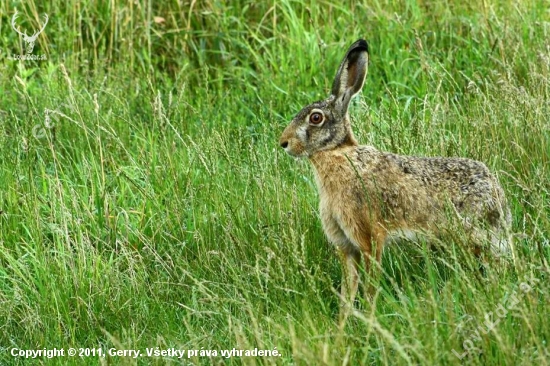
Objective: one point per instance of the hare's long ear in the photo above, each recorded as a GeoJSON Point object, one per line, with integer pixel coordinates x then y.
{"type": "Point", "coordinates": [351, 75]}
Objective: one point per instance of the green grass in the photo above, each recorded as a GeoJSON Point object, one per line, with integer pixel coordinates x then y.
{"type": "Point", "coordinates": [157, 210]}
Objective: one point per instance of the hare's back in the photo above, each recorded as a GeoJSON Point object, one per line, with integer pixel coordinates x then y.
{"type": "Point", "coordinates": [445, 172]}
{"type": "Point", "coordinates": [468, 183]}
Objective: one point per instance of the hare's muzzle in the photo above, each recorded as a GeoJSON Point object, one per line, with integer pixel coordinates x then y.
{"type": "Point", "coordinates": [284, 140]}
{"type": "Point", "coordinates": [291, 142]}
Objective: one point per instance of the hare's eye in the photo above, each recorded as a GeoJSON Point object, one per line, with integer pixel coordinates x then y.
{"type": "Point", "coordinates": [316, 118]}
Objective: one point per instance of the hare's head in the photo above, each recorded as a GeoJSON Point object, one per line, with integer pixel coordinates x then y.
{"type": "Point", "coordinates": [325, 125]}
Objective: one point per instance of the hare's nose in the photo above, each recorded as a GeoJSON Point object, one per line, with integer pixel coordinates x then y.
{"type": "Point", "coordinates": [284, 144]}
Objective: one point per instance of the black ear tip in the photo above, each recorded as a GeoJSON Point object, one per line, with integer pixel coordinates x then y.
{"type": "Point", "coordinates": [360, 44]}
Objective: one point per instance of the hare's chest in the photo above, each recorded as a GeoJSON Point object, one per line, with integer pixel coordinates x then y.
{"type": "Point", "coordinates": [337, 216]}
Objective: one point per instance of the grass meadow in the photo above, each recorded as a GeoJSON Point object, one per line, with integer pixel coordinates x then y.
{"type": "Point", "coordinates": [145, 202]}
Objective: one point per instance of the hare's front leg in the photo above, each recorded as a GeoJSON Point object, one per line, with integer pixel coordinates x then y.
{"type": "Point", "coordinates": [372, 252]}
{"type": "Point", "coordinates": [371, 245]}
{"type": "Point", "coordinates": [351, 260]}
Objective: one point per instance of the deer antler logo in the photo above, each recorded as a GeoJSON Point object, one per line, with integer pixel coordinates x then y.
{"type": "Point", "coordinates": [29, 40]}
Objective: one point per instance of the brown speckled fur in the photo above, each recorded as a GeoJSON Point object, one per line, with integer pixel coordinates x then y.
{"type": "Point", "coordinates": [366, 194]}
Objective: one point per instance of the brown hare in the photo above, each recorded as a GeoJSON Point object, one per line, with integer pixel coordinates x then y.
{"type": "Point", "coordinates": [367, 197]}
